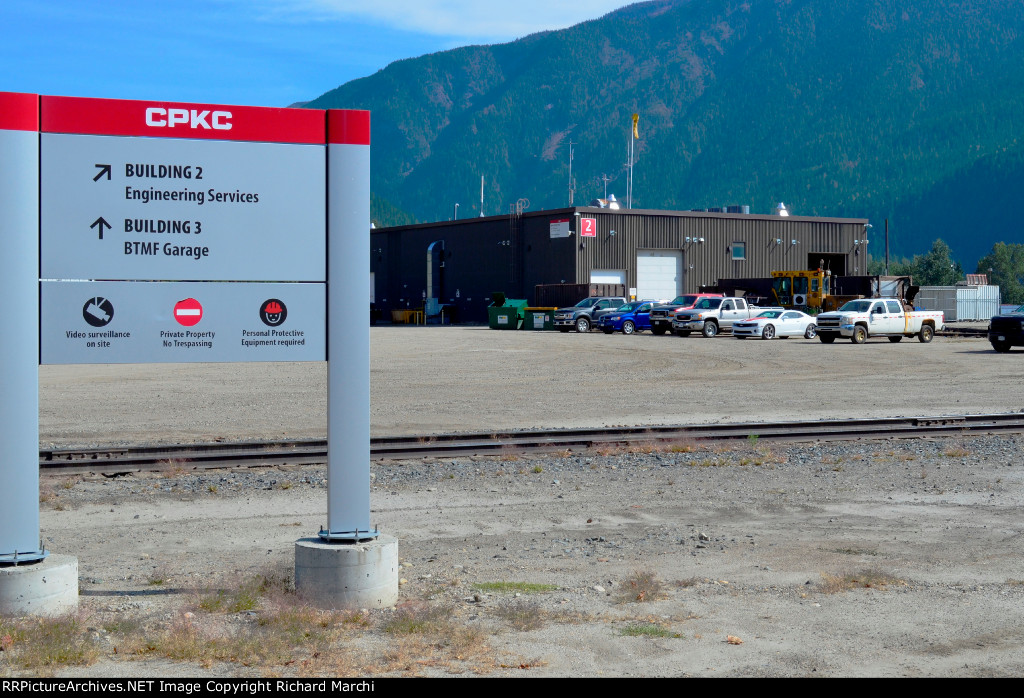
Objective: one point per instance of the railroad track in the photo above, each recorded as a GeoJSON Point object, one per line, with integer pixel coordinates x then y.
{"type": "Point", "coordinates": [113, 461]}
{"type": "Point", "coordinates": [962, 332]}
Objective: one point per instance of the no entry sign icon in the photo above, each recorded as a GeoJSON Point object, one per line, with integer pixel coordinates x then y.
{"type": "Point", "coordinates": [188, 312]}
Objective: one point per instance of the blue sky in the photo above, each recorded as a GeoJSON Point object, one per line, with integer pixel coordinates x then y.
{"type": "Point", "coordinates": [258, 52]}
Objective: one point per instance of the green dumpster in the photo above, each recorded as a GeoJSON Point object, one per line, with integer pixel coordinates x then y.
{"type": "Point", "coordinates": [539, 318]}
{"type": "Point", "coordinates": [505, 313]}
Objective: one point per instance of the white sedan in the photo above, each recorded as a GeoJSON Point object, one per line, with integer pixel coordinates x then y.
{"type": "Point", "coordinates": [776, 323]}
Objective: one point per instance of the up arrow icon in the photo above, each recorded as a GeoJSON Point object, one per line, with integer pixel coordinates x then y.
{"type": "Point", "coordinates": [100, 223]}
{"type": "Point", "coordinates": [104, 170]}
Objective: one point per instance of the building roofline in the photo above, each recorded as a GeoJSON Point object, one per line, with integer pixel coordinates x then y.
{"type": "Point", "coordinates": [570, 211]}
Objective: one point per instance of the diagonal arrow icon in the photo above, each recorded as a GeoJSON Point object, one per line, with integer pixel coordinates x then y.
{"type": "Point", "coordinates": [104, 170]}
{"type": "Point", "coordinates": [101, 222]}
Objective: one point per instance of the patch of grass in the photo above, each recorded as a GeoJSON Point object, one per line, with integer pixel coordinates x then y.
{"type": "Point", "coordinates": [1015, 582]}
{"type": "Point", "coordinates": [682, 446]}
{"type": "Point", "coordinates": [42, 645]}
{"type": "Point", "coordinates": [522, 617]}
{"type": "Point", "coordinates": [186, 641]}
{"type": "Point", "coordinates": [286, 485]}
{"type": "Point", "coordinates": [689, 582]}
{"type": "Point", "coordinates": [538, 469]}
{"type": "Point", "coordinates": [305, 625]}
{"type": "Point", "coordinates": [67, 484]}
{"type": "Point", "coordinates": [244, 596]}
{"type": "Point", "coordinates": [752, 439]}
{"type": "Point", "coordinates": [956, 451]}
{"type": "Point", "coordinates": [514, 587]}
{"type": "Point", "coordinates": [647, 630]}
{"type": "Point", "coordinates": [641, 586]}
{"type": "Point", "coordinates": [866, 579]}
{"type": "Point", "coordinates": [418, 617]}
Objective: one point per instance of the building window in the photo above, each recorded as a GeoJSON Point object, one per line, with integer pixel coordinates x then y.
{"type": "Point", "coordinates": [739, 250]}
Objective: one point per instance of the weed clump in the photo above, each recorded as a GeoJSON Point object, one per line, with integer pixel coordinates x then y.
{"type": "Point", "coordinates": [42, 645]}
{"type": "Point", "coordinates": [647, 630]}
{"type": "Point", "coordinates": [641, 586]}
{"type": "Point", "coordinates": [866, 579]}
{"type": "Point", "coordinates": [514, 587]}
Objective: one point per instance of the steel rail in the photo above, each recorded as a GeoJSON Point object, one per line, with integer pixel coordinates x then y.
{"type": "Point", "coordinates": [235, 454]}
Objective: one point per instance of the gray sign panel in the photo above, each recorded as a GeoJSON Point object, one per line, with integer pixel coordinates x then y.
{"type": "Point", "coordinates": [106, 322]}
{"type": "Point", "coordinates": [176, 209]}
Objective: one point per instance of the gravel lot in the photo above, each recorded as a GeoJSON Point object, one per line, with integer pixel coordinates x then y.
{"type": "Point", "coordinates": [449, 379]}
{"type": "Point", "coordinates": [881, 558]}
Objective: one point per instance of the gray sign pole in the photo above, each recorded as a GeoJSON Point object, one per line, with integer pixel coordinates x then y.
{"type": "Point", "coordinates": [19, 296]}
{"type": "Point", "coordinates": [348, 327]}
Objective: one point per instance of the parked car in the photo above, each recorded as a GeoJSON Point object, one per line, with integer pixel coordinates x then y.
{"type": "Point", "coordinates": [776, 323]}
{"type": "Point", "coordinates": [1007, 330]}
{"type": "Point", "coordinates": [630, 318]}
{"type": "Point", "coordinates": [663, 315]}
{"type": "Point", "coordinates": [580, 317]}
{"type": "Point", "coordinates": [713, 315]}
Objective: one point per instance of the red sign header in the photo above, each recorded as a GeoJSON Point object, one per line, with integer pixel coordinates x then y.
{"type": "Point", "coordinates": [348, 127]}
{"type": "Point", "coordinates": [122, 117]}
{"type": "Point", "coordinates": [19, 111]}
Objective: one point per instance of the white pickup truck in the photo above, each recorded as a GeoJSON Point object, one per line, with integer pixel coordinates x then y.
{"type": "Point", "coordinates": [709, 316]}
{"type": "Point", "coordinates": [878, 317]}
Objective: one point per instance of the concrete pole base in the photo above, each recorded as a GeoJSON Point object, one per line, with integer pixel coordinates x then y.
{"type": "Point", "coordinates": [347, 575]}
{"type": "Point", "coordinates": [45, 588]}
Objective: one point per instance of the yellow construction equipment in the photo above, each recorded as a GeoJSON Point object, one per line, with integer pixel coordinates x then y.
{"type": "Point", "coordinates": [802, 289]}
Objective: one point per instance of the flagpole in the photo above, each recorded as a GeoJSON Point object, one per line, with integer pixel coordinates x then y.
{"type": "Point", "coordinates": [632, 137]}
{"type": "Point", "coordinates": [629, 189]}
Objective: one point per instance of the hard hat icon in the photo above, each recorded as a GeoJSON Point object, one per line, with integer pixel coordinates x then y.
{"type": "Point", "coordinates": [273, 312]}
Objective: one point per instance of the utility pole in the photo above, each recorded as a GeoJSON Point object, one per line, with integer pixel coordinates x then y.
{"type": "Point", "coordinates": [572, 187]}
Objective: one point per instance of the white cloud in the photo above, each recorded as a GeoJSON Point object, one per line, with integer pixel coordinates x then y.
{"type": "Point", "coordinates": [477, 20]}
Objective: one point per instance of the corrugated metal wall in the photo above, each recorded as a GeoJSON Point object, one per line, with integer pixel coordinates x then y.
{"type": "Point", "coordinates": [977, 302]}
{"type": "Point", "coordinates": [707, 239]}
{"type": "Point", "coordinates": [960, 302]}
{"type": "Point", "coordinates": [513, 254]}
{"type": "Point", "coordinates": [938, 298]}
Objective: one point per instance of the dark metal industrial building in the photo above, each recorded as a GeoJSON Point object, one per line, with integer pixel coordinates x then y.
{"type": "Point", "coordinates": [655, 254]}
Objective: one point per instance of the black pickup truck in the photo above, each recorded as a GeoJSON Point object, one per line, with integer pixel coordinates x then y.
{"type": "Point", "coordinates": [1005, 331]}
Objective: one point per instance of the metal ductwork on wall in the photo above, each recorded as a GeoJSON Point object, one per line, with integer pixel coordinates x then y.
{"type": "Point", "coordinates": [435, 276]}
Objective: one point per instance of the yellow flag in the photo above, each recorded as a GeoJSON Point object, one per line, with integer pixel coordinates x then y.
{"type": "Point", "coordinates": [636, 118]}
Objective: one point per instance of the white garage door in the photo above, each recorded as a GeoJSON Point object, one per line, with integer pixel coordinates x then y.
{"type": "Point", "coordinates": [659, 273]}
{"type": "Point", "coordinates": [608, 276]}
